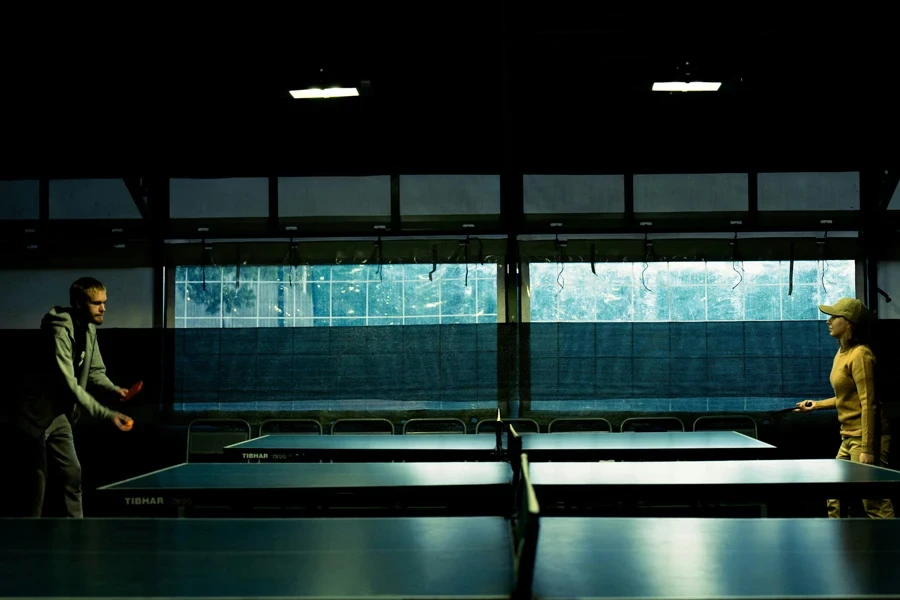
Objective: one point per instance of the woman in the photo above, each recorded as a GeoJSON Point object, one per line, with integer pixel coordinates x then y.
{"type": "Point", "coordinates": [864, 435]}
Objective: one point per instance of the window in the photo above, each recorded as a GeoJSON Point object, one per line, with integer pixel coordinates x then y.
{"type": "Point", "coordinates": [681, 336]}
{"type": "Point", "coordinates": [687, 291]}
{"type": "Point", "coordinates": [335, 295]}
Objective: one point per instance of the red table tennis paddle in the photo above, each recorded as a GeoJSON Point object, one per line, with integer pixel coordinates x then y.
{"type": "Point", "coordinates": [133, 391]}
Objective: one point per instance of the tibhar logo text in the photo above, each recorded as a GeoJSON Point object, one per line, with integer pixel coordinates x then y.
{"type": "Point", "coordinates": [145, 500]}
{"type": "Point", "coordinates": [254, 456]}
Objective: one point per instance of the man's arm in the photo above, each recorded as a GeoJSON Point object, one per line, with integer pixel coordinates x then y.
{"type": "Point", "coordinates": [97, 373]}
{"type": "Point", "coordinates": [65, 369]}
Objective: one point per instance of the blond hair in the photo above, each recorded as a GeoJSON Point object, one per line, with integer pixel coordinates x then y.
{"type": "Point", "coordinates": [78, 291]}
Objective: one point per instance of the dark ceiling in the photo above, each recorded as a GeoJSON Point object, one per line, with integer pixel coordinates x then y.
{"type": "Point", "coordinates": [555, 90]}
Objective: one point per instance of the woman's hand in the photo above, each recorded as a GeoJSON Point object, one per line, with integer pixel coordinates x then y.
{"type": "Point", "coordinates": [806, 406]}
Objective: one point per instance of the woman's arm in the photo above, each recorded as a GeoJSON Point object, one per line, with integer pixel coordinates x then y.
{"type": "Point", "coordinates": [862, 368]}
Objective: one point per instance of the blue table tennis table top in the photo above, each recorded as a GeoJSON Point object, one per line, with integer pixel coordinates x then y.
{"type": "Point", "coordinates": [668, 445]}
{"type": "Point", "coordinates": [473, 488]}
{"type": "Point", "coordinates": [368, 448]}
{"type": "Point", "coordinates": [761, 482]}
{"type": "Point", "coordinates": [746, 473]}
{"type": "Point", "coordinates": [656, 445]}
{"type": "Point", "coordinates": [734, 559]}
{"type": "Point", "coordinates": [654, 440]}
{"type": "Point", "coordinates": [463, 557]}
{"type": "Point", "coordinates": [243, 476]}
{"type": "Point", "coordinates": [485, 442]}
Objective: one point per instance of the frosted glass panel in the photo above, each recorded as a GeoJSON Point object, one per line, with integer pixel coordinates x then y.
{"type": "Point", "coordinates": [334, 196]}
{"type": "Point", "coordinates": [549, 194]}
{"type": "Point", "coordinates": [335, 296]}
{"type": "Point", "coordinates": [19, 199]}
{"type": "Point", "coordinates": [449, 195]}
{"type": "Point", "coordinates": [91, 199]}
{"type": "Point", "coordinates": [809, 191]}
{"type": "Point", "coordinates": [28, 295]}
{"type": "Point", "coordinates": [219, 198]}
{"type": "Point", "coordinates": [717, 192]}
{"type": "Point", "coordinates": [686, 291]}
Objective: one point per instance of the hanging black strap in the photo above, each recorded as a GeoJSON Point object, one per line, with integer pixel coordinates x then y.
{"type": "Point", "coordinates": [734, 260]}
{"type": "Point", "coordinates": [291, 260]}
{"type": "Point", "coordinates": [205, 260]}
{"type": "Point", "coordinates": [237, 282]}
{"type": "Point", "coordinates": [379, 249]}
{"type": "Point", "coordinates": [466, 258]}
{"type": "Point", "coordinates": [433, 262]}
{"type": "Point", "coordinates": [791, 271]}
{"type": "Point", "coordinates": [649, 255]}
{"type": "Point", "coordinates": [294, 251]}
{"type": "Point", "coordinates": [561, 259]}
{"type": "Point", "coordinates": [594, 259]}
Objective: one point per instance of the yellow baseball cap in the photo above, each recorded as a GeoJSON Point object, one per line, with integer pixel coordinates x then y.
{"type": "Point", "coordinates": [850, 308]}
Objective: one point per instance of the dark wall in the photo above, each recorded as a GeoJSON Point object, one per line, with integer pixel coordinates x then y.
{"type": "Point", "coordinates": [886, 345]}
{"type": "Point", "coordinates": [130, 355]}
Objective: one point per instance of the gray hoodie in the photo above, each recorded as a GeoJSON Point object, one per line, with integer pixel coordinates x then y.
{"type": "Point", "coordinates": [66, 384]}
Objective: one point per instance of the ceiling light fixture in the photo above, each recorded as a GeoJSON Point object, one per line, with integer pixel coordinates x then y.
{"type": "Point", "coordinates": [687, 86]}
{"type": "Point", "coordinates": [334, 92]}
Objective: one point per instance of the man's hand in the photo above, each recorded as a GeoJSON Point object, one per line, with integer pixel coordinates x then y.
{"type": "Point", "coordinates": [121, 393]}
{"type": "Point", "coordinates": [867, 459]}
{"type": "Point", "coordinates": [806, 406]}
{"type": "Point", "coordinates": [123, 422]}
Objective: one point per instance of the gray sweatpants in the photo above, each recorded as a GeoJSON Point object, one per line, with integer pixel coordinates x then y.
{"type": "Point", "coordinates": [54, 450]}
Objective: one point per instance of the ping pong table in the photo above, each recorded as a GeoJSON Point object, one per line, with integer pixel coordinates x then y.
{"type": "Point", "coordinates": [366, 448]}
{"type": "Point", "coordinates": [473, 488]}
{"type": "Point", "coordinates": [643, 559]}
{"type": "Point", "coordinates": [659, 446]}
{"type": "Point", "coordinates": [462, 557]}
{"type": "Point", "coordinates": [753, 481]}
{"type": "Point", "coordinates": [423, 557]}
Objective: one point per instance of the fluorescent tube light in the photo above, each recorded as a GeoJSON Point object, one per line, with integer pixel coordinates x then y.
{"type": "Point", "coordinates": [325, 93]}
{"type": "Point", "coordinates": [686, 86]}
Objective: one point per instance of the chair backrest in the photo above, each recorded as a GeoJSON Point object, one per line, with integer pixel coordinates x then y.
{"type": "Point", "coordinates": [375, 426]}
{"type": "Point", "coordinates": [206, 438]}
{"type": "Point", "coordinates": [499, 430]}
{"type": "Point", "coordinates": [586, 425]}
{"type": "Point", "coordinates": [526, 517]}
{"type": "Point", "coordinates": [649, 424]}
{"type": "Point", "coordinates": [740, 423]}
{"type": "Point", "coordinates": [523, 425]}
{"type": "Point", "coordinates": [434, 426]}
{"type": "Point", "coordinates": [290, 427]}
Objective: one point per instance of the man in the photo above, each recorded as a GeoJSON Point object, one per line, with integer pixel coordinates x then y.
{"type": "Point", "coordinates": [71, 371]}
